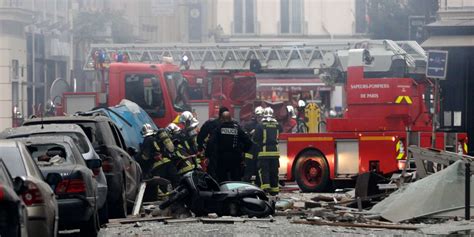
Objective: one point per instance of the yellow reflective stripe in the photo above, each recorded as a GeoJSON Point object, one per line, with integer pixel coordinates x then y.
{"type": "Point", "coordinates": [275, 189]}
{"type": "Point", "coordinates": [186, 169]}
{"type": "Point", "coordinates": [399, 99]}
{"type": "Point", "coordinates": [408, 100]}
{"type": "Point", "coordinates": [465, 147]}
{"type": "Point", "coordinates": [156, 146]}
{"type": "Point", "coordinates": [269, 153]}
{"type": "Point", "coordinates": [376, 138]}
{"type": "Point", "coordinates": [265, 186]}
{"type": "Point", "coordinates": [249, 155]}
{"type": "Point", "coordinates": [400, 155]}
{"type": "Point", "coordinates": [161, 162]}
{"type": "Point", "coordinates": [397, 147]}
{"type": "Point", "coordinates": [310, 139]}
{"type": "Point", "coordinates": [264, 136]}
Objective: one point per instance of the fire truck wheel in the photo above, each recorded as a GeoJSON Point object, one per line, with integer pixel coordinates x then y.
{"type": "Point", "coordinates": [312, 172]}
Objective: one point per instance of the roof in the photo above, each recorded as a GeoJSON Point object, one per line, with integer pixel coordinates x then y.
{"type": "Point", "coordinates": [453, 23]}
{"type": "Point", "coordinates": [72, 119]}
{"type": "Point", "coordinates": [46, 139]}
{"type": "Point", "coordinates": [8, 143]}
{"type": "Point", "coordinates": [449, 41]}
{"type": "Point", "coordinates": [38, 129]}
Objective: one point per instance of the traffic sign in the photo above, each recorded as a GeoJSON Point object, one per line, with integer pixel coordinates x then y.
{"type": "Point", "coordinates": [437, 64]}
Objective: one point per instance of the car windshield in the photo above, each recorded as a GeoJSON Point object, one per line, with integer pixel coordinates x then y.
{"type": "Point", "coordinates": [177, 88]}
{"type": "Point", "coordinates": [12, 158]}
{"type": "Point", "coordinates": [79, 139]}
{"type": "Point", "coordinates": [49, 154]}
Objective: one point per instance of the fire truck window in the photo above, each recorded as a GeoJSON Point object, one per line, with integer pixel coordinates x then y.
{"type": "Point", "coordinates": [146, 91]}
{"type": "Point", "coordinates": [178, 90]}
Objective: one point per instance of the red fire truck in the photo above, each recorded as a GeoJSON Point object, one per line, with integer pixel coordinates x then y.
{"type": "Point", "coordinates": [382, 117]}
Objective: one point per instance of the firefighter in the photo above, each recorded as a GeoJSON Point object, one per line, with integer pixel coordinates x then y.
{"type": "Point", "coordinates": [229, 142]}
{"type": "Point", "coordinates": [184, 163]}
{"type": "Point", "coordinates": [266, 137]}
{"type": "Point", "coordinates": [203, 137]}
{"type": "Point", "coordinates": [251, 156]}
{"type": "Point", "coordinates": [190, 124]}
{"type": "Point", "coordinates": [157, 149]}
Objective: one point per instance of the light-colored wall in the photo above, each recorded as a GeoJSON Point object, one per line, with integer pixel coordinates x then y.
{"type": "Point", "coordinates": [321, 17]}
{"type": "Point", "coordinates": [12, 48]}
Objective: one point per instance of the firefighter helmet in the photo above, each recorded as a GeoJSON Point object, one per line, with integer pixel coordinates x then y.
{"type": "Point", "coordinates": [268, 112]}
{"type": "Point", "coordinates": [147, 130]}
{"type": "Point", "coordinates": [259, 111]}
{"type": "Point", "coordinates": [173, 128]}
{"type": "Point", "coordinates": [188, 119]}
{"type": "Point", "coordinates": [301, 103]}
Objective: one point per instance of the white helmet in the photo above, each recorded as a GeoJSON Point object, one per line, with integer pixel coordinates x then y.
{"type": "Point", "coordinates": [188, 119]}
{"type": "Point", "coordinates": [173, 128]}
{"type": "Point", "coordinates": [301, 103]}
{"type": "Point", "coordinates": [291, 111]}
{"type": "Point", "coordinates": [268, 112]}
{"type": "Point", "coordinates": [147, 130]}
{"type": "Point", "coordinates": [259, 111]}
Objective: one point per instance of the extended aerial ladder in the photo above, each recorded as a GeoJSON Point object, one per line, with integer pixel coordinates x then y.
{"type": "Point", "coordinates": [315, 54]}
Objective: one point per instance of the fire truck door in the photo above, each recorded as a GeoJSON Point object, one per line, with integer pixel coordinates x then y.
{"type": "Point", "coordinates": [347, 157]}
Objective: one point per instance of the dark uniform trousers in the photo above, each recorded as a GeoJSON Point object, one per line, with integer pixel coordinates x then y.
{"type": "Point", "coordinates": [268, 173]}
{"type": "Point", "coordinates": [230, 167]}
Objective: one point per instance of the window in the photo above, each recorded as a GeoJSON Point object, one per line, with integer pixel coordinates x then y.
{"type": "Point", "coordinates": [15, 71]}
{"type": "Point", "coordinates": [177, 89]}
{"type": "Point", "coordinates": [47, 154]}
{"type": "Point", "coordinates": [291, 16]}
{"type": "Point", "coordinates": [146, 91]}
{"type": "Point", "coordinates": [244, 16]}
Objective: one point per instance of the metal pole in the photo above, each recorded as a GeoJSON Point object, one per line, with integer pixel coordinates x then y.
{"type": "Point", "coordinates": [435, 113]}
{"type": "Point", "coordinates": [467, 192]}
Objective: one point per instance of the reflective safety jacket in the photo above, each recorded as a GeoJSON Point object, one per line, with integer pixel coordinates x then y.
{"type": "Point", "coordinates": [157, 149]}
{"type": "Point", "coordinates": [266, 137]}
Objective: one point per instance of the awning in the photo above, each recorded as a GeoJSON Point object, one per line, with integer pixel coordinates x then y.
{"type": "Point", "coordinates": [292, 85]}
{"type": "Point", "coordinates": [449, 41]}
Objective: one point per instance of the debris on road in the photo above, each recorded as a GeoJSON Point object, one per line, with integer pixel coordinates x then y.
{"type": "Point", "coordinates": [437, 195]}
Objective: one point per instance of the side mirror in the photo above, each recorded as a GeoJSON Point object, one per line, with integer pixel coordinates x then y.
{"type": "Point", "coordinates": [94, 163]}
{"type": "Point", "coordinates": [19, 185]}
{"type": "Point", "coordinates": [53, 179]}
{"type": "Point", "coordinates": [132, 151]}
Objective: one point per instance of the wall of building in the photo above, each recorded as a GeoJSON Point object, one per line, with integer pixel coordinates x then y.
{"type": "Point", "coordinates": [321, 18]}
{"type": "Point", "coordinates": [12, 64]}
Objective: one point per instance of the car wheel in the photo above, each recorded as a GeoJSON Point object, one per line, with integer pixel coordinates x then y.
{"type": "Point", "coordinates": [91, 227]}
{"type": "Point", "coordinates": [104, 214]}
{"type": "Point", "coordinates": [312, 172]}
{"type": "Point", "coordinates": [120, 206]}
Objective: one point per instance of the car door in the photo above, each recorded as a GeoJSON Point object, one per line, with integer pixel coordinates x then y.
{"type": "Point", "coordinates": [132, 169]}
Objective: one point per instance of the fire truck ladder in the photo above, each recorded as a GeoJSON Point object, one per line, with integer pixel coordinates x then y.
{"type": "Point", "coordinates": [271, 55]}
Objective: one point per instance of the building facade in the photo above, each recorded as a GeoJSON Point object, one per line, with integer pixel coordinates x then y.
{"type": "Point", "coordinates": [454, 32]}
{"type": "Point", "coordinates": [13, 65]}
